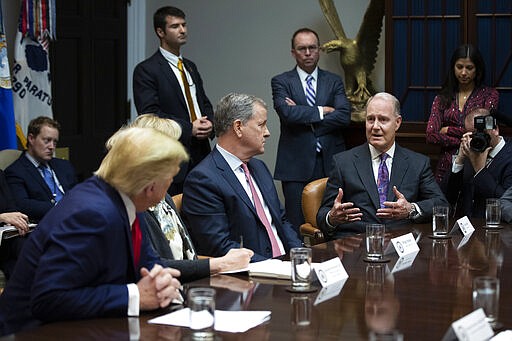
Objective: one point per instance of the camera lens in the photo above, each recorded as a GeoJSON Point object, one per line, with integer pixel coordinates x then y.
{"type": "Point", "coordinates": [480, 141]}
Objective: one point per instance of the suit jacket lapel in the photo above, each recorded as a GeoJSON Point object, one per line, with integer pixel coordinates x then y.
{"type": "Point", "coordinates": [398, 171]}
{"type": "Point", "coordinates": [297, 88]}
{"type": "Point", "coordinates": [363, 165]}
{"type": "Point", "coordinates": [231, 178]}
{"type": "Point", "coordinates": [171, 77]}
{"type": "Point", "coordinates": [320, 87]}
{"type": "Point", "coordinates": [265, 189]}
{"type": "Point", "coordinates": [34, 173]}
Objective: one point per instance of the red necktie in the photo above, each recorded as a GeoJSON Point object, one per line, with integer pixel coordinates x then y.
{"type": "Point", "coordinates": [136, 241]}
{"type": "Point", "coordinates": [261, 213]}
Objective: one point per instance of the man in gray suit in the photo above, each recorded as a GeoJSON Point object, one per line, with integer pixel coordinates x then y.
{"type": "Point", "coordinates": [506, 205]}
{"type": "Point", "coordinates": [364, 186]}
{"type": "Point", "coordinates": [313, 111]}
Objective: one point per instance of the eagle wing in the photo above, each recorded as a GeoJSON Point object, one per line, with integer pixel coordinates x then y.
{"type": "Point", "coordinates": [369, 33]}
{"type": "Point", "coordinates": [331, 15]}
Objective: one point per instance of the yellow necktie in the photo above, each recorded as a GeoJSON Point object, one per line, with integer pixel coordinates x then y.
{"type": "Point", "coordinates": [190, 103]}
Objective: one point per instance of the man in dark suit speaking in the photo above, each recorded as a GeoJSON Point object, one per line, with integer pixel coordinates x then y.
{"type": "Point", "coordinates": [230, 199]}
{"type": "Point", "coordinates": [379, 181]}
{"type": "Point", "coordinates": [313, 110]}
{"type": "Point", "coordinates": [87, 257]}
{"type": "Point", "coordinates": [37, 179]}
{"type": "Point", "coordinates": [168, 85]}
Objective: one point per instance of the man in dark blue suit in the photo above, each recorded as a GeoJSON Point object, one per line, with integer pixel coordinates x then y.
{"type": "Point", "coordinates": [87, 258]}
{"type": "Point", "coordinates": [359, 191]}
{"type": "Point", "coordinates": [313, 111]}
{"type": "Point", "coordinates": [159, 87]}
{"type": "Point", "coordinates": [230, 198]}
{"type": "Point", "coordinates": [479, 175]}
{"type": "Point", "coordinates": [37, 179]}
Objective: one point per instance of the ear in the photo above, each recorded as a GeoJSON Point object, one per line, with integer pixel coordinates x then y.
{"type": "Point", "coordinates": [398, 122]}
{"type": "Point", "coordinates": [159, 32]}
{"type": "Point", "coordinates": [237, 128]}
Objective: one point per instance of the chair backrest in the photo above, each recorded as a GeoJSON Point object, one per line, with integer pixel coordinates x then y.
{"type": "Point", "coordinates": [8, 156]}
{"type": "Point", "coordinates": [177, 201]}
{"type": "Point", "coordinates": [312, 199]}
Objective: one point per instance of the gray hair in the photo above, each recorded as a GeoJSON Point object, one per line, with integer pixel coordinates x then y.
{"type": "Point", "coordinates": [387, 97]}
{"type": "Point", "coordinates": [234, 107]}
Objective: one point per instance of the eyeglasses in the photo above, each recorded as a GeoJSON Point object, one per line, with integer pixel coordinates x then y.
{"type": "Point", "coordinates": [304, 49]}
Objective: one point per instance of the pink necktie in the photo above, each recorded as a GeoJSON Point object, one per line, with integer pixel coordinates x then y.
{"type": "Point", "coordinates": [261, 213]}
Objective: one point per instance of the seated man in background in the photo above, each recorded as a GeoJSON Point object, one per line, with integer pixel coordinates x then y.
{"type": "Point", "coordinates": [37, 179]}
{"type": "Point", "coordinates": [378, 181]}
{"type": "Point", "coordinates": [167, 233]}
{"type": "Point", "coordinates": [87, 258]}
{"type": "Point", "coordinates": [479, 172]}
{"type": "Point", "coordinates": [229, 199]}
{"type": "Point", "coordinates": [506, 205]}
{"type": "Point", "coordinates": [10, 248]}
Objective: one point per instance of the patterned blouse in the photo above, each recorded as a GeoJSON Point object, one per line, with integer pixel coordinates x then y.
{"type": "Point", "coordinates": [453, 118]}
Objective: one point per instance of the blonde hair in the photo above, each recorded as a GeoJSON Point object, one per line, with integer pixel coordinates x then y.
{"type": "Point", "coordinates": [139, 156]}
{"type": "Point", "coordinates": [163, 125]}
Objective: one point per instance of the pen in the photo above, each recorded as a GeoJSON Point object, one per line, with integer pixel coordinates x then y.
{"type": "Point", "coordinates": [241, 241]}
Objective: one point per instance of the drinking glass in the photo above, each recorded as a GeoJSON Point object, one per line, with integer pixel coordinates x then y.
{"type": "Point", "coordinates": [486, 295]}
{"type": "Point", "coordinates": [201, 302]}
{"type": "Point", "coordinates": [375, 241]}
{"type": "Point", "coordinates": [492, 212]}
{"type": "Point", "coordinates": [301, 268]}
{"type": "Point", "coordinates": [440, 221]}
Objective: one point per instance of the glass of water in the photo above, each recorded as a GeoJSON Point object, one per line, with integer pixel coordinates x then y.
{"type": "Point", "coordinates": [486, 295]}
{"type": "Point", "coordinates": [201, 302]}
{"type": "Point", "coordinates": [440, 216]}
{"type": "Point", "coordinates": [301, 268]}
{"type": "Point", "coordinates": [492, 212]}
{"type": "Point", "coordinates": [375, 241]}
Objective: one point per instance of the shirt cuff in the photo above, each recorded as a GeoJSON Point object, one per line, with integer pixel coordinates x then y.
{"type": "Point", "coordinates": [321, 112]}
{"type": "Point", "coordinates": [457, 167]}
{"type": "Point", "coordinates": [133, 299]}
{"type": "Point", "coordinates": [418, 211]}
{"type": "Point", "coordinates": [327, 220]}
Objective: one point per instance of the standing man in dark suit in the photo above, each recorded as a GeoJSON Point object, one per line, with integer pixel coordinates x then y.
{"type": "Point", "coordinates": [87, 258]}
{"type": "Point", "coordinates": [230, 198]}
{"type": "Point", "coordinates": [168, 85]}
{"type": "Point", "coordinates": [477, 175]}
{"type": "Point", "coordinates": [37, 179]}
{"type": "Point", "coordinates": [379, 181]}
{"type": "Point", "coordinates": [313, 111]}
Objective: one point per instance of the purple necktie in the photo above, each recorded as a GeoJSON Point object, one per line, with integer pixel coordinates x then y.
{"type": "Point", "coordinates": [383, 179]}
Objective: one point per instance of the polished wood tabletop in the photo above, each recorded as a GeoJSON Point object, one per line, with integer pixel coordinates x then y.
{"type": "Point", "coordinates": [419, 302]}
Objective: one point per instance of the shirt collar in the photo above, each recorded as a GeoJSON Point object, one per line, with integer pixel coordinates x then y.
{"type": "Point", "coordinates": [375, 153]}
{"type": "Point", "coordinates": [129, 205]}
{"type": "Point", "coordinates": [303, 74]}
{"type": "Point", "coordinates": [34, 161]}
{"type": "Point", "coordinates": [233, 161]}
{"type": "Point", "coordinates": [493, 152]}
{"type": "Point", "coordinates": [170, 57]}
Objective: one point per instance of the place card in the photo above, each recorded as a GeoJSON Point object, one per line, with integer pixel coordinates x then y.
{"type": "Point", "coordinates": [464, 240]}
{"type": "Point", "coordinates": [405, 244]}
{"type": "Point", "coordinates": [331, 271]}
{"type": "Point", "coordinates": [472, 327]}
{"type": "Point", "coordinates": [464, 225]}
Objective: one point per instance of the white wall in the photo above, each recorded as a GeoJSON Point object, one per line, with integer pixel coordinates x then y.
{"type": "Point", "coordinates": [240, 45]}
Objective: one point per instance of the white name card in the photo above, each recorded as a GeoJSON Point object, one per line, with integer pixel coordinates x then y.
{"type": "Point", "coordinates": [330, 291]}
{"type": "Point", "coordinates": [464, 240]}
{"type": "Point", "coordinates": [472, 327]}
{"type": "Point", "coordinates": [404, 262]}
{"type": "Point", "coordinates": [464, 225]}
{"type": "Point", "coordinates": [331, 271]}
{"type": "Point", "coordinates": [405, 244]}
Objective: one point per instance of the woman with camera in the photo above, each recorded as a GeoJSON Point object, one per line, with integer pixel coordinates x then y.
{"type": "Point", "coordinates": [462, 91]}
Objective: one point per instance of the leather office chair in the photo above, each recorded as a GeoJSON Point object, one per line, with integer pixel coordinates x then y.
{"type": "Point", "coordinates": [8, 156]}
{"type": "Point", "coordinates": [177, 201]}
{"type": "Point", "coordinates": [311, 201]}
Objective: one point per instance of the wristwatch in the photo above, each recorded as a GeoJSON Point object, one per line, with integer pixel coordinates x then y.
{"type": "Point", "coordinates": [413, 212]}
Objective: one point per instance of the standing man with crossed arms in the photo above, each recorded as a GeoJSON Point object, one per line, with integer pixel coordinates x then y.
{"type": "Point", "coordinates": [313, 111]}
{"type": "Point", "coordinates": [168, 85]}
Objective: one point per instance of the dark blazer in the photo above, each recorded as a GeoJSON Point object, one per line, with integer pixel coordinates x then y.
{"type": "Point", "coordinates": [31, 193]}
{"type": "Point", "coordinates": [157, 90]}
{"type": "Point", "coordinates": [76, 264]}
{"type": "Point", "coordinates": [353, 172]}
{"type": "Point", "coordinates": [190, 269]}
{"type": "Point", "coordinates": [301, 124]}
{"type": "Point", "coordinates": [6, 197]}
{"type": "Point", "coordinates": [468, 192]}
{"type": "Point", "coordinates": [218, 211]}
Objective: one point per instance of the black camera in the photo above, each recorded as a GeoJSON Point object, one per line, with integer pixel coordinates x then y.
{"type": "Point", "coordinates": [480, 140]}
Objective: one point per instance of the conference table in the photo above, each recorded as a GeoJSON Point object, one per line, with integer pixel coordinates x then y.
{"type": "Point", "coordinates": [417, 300]}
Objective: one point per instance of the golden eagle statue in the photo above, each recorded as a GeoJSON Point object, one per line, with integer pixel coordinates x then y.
{"type": "Point", "coordinates": [357, 56]}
